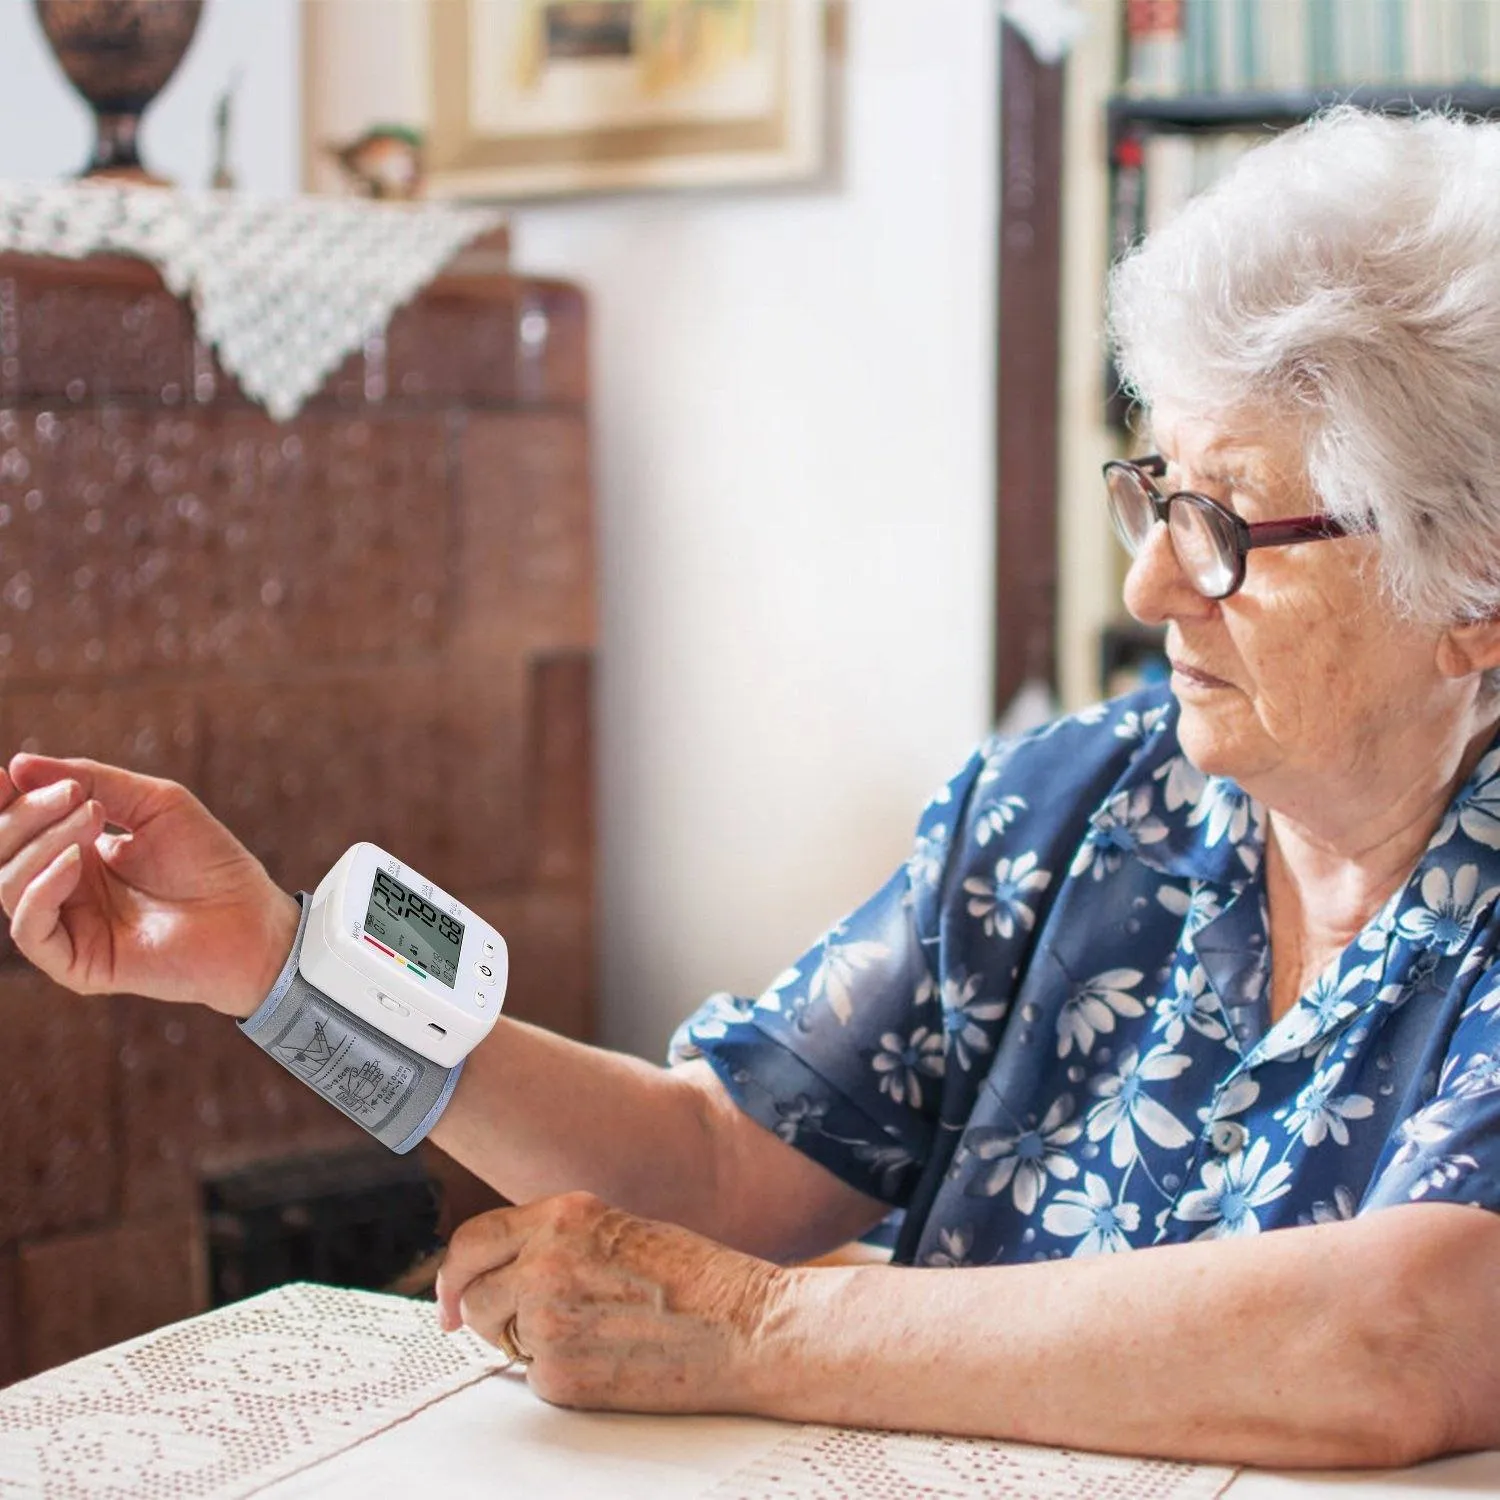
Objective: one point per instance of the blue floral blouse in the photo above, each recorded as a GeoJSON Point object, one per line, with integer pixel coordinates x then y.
{"type": "Point", "coordinates": [1048, 1033]}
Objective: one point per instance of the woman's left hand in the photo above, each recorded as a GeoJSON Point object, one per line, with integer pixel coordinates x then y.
{"type": "Point", "coordinates": [615, 1311]}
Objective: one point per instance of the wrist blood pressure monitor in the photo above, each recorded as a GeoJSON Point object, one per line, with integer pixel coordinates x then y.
{"type": "Point", "coordinates": [391, 947]}
{"type": "Point", "coordinates": [389, 986]}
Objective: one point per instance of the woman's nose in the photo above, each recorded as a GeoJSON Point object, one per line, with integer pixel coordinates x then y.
{"type": "Point", "coordinates": [1156, 588]}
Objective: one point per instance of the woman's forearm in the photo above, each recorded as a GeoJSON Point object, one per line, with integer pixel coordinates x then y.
{"type": "Point", "coordinates": [536, 1114]}
{"type": "Point", "coordinates": [1342, 1344]}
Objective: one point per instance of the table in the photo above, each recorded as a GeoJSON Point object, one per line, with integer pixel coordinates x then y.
{"type": "Point", "coordinates": [496, 1439]}
{"type": "Point", "coordinates": [309, 1392]}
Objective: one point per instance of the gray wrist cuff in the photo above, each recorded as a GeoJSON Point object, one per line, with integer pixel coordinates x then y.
{"type": "Point", "coordinates": [382, 1086]}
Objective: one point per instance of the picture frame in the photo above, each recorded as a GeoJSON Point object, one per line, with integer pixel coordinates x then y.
{"type": "Point", "coordinates": [533, 98]}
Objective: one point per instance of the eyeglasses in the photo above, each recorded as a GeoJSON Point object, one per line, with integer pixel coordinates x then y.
{"type": "Point", "coordinates": [1210, 541]}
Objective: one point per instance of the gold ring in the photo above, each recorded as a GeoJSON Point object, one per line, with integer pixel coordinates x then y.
{"type": "Point", "coordinates": [510, 1344]}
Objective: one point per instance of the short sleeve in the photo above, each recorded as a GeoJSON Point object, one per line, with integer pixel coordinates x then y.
{"type": "Point", "coordinates": [843, 1055]}
{"type": "Point", "coordinates": [1448, 1150]}
{"type": "Point", "coordinates": [846, 1055]}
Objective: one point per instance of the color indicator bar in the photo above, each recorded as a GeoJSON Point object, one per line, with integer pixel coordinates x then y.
{"type": "Point", "coordinates": [420, 973]}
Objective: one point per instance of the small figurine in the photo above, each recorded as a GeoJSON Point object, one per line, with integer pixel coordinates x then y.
{"type": "Point", "coordinates": [385, 162]}
{"type": "Point", "coordinates": [223, 177]}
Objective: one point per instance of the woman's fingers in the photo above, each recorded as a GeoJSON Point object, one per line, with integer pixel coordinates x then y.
{"type": "Point", "coordinates": [24, 816]}
{"type": "Point", "coordinates": [484, 1244]}
{"type": "Point", "coordinates": [36, 924]}
{"type": "Point", "coordinates": [81, 826]}
{"type": "Point", "coordinates": [129, 798]}
{"type": "Point", "coordinates": [615, 1311]}
{"type": "Point", "coordinates": [488, 1305]}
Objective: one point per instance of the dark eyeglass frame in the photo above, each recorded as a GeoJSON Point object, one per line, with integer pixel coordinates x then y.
{"type": "Point", "coordinates": [1246, 535]}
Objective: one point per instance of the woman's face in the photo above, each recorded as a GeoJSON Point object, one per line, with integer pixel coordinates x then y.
{"type": "Point", "coordinates": [1304, 678]}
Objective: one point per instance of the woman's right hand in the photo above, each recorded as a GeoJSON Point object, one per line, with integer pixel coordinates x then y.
{"type": "Point", "coordinates": [173, 907]}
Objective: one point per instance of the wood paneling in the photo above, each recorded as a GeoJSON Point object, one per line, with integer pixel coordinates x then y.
{"type": "Point", "coordinates": [80, 1292]}
{"type": "Point", "coordinates": [375, 621]}
{"type": "Point", "coordinates": [58, 1155]}
{"type": "Point", "coordinates": [1029, 303]}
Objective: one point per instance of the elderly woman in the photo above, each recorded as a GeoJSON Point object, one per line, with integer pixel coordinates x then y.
{"type": "Point", "coordinates": [1159, 978]}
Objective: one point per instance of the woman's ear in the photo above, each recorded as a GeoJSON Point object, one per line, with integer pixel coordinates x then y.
{"type": "Point", "coordinates": [1469, 648]}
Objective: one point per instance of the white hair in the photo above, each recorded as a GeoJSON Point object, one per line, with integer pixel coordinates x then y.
{"type": "Point", "coordinates": [1346, 275]}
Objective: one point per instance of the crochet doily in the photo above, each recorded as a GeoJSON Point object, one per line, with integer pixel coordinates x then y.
{"type": "Point", "coordinates": [831, 1463]}
{"type": "Point", "coordinates": [284, 289]}
{"type": "Point", "coordinates": [230, 1402]}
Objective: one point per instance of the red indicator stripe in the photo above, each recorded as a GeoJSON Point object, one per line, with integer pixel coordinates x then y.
{"type": "Point", "coordinates": [371, 941]}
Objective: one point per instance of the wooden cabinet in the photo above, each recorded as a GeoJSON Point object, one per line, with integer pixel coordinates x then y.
{"type": "Point", "coordinates": [374, 621]}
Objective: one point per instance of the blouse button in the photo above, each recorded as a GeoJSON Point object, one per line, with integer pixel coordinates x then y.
{"type": "Point", "coordinates": [1228, 1136]}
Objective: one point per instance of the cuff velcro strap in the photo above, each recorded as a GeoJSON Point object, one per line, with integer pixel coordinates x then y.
{"type": "Point", "coordinates": [389, 1090]}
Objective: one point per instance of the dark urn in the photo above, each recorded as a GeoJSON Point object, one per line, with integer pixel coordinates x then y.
{"type": "Point", "coordinates": [119, 55]}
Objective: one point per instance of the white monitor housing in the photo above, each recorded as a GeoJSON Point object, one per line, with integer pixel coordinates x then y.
{"type": "Point", "coordinates": [404, 955]}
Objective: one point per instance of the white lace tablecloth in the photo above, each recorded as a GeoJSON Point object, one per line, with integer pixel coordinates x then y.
{"type": "Point", "coordinates": [283, 1387]}
{"type": "Point", "coordinates": [830, 1463]}
{"type": "Point", "coordinates": [284, 289]}
{"type": "Point", "coordinates": [312, 1393]}
{"type": "Point", "coordinates": [223, 1405]}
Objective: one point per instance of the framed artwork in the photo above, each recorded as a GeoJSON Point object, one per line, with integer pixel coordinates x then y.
{"type": "Point", "coordinates": [539, 97]}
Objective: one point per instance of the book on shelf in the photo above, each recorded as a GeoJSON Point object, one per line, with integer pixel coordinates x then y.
{"type": "Point", "coordinates": [1153, 46]}
{"type": "Point", "coordinates": [1290, 46]}
{"type": "Point", "coordinates": [1156, 174]}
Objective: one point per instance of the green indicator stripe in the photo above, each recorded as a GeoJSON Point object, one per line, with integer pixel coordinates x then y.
{"type": "Point", "coordinates": [416, 970]}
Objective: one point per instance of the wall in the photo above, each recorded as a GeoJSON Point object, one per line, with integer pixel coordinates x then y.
{"type": "Point", "coordinates": [793, 419]}
{"type": "Point", "coordinates": [792, 409]}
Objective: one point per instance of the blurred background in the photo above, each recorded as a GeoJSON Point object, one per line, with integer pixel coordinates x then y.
{"type": "Point", "coordinates": [685, 491]}
{"type": "Point", "coordinates": [790, 412]}
{"type": "Point", "coordinates": [570, 444]}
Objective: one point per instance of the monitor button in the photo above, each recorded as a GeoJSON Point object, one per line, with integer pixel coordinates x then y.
{"type": "Point", "coordinates": [390, 1004]}
{"type": "Point", "coordinates": [485, 972]}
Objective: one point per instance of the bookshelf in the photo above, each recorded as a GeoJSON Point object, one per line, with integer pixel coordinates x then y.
{"type": "Point", "coordinates": [1205, 114]}
{"type": "Point", "coordinates": [1138, 143]}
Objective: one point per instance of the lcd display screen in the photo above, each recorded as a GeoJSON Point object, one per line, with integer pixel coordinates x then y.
{"type": "Point", "coordinates": [405, 923]}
